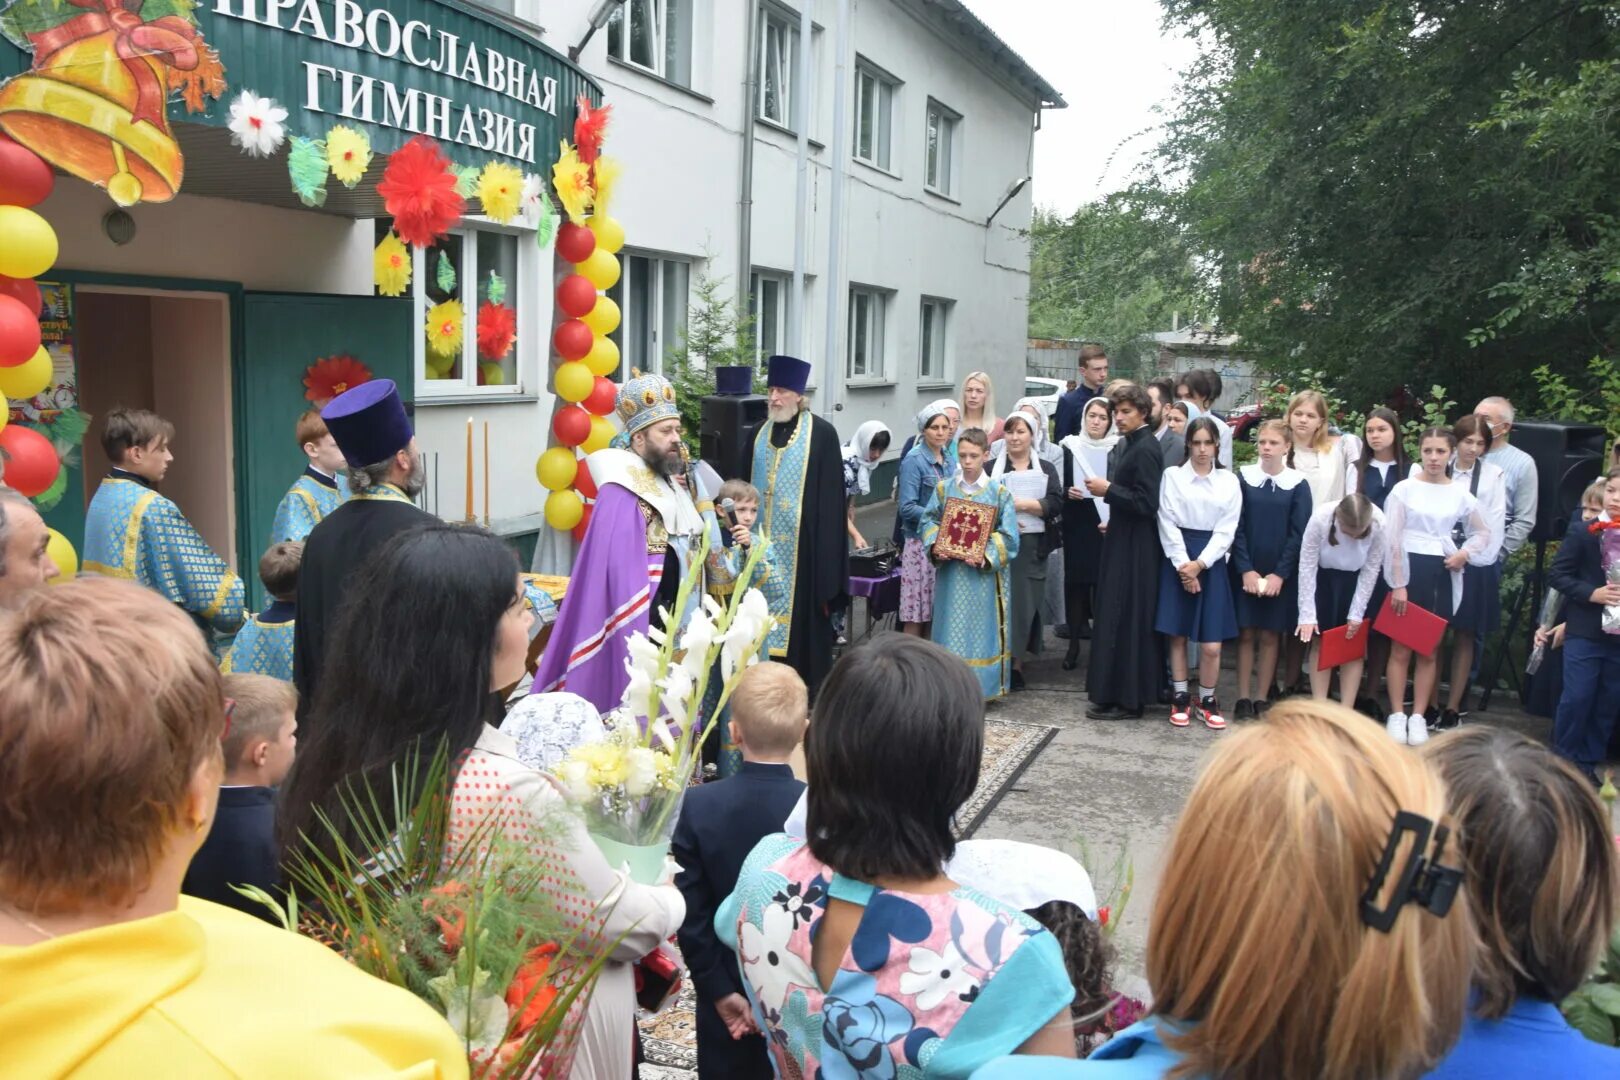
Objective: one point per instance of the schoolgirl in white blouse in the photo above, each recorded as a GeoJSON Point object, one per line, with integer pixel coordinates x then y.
{"type": "Point", "coordinates": [1327, 460]}
{"type": "Point", "coordinates": [1199, 507]}
{"type": "Point", "coordinates": [1424, 566]}
{"type": "Point", "coordinates": [1340, 556]}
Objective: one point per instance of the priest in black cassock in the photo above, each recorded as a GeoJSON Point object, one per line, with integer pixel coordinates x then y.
{"type": "Point", "coordinates": [799, 471]}
{"type": "Point", "coordinates": [1126, 668]}
{"type": "Point", "coordinates": [385, 474]}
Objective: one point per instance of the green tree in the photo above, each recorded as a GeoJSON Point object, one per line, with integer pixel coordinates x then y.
{"type": "Point", "coordinates": [1402, 193]}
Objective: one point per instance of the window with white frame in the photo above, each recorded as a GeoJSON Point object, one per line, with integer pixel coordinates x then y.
{"type": "Point", "coordinates": [874, 114]}
{"type": "Point", "coordinates": [655, 35]}
{"type": "Point", "coordinates": [932, 339]}
{"type": "Point", "coordinates": [483, 270]}
{"type": "Point", "coordinates": [868, 311]}
{"type": "Point", "coordinates": [778, 64]}
{"type": "Point", "coordinates": [768, 300]}
{"type": "Point", "coordinates": [939, 165]}
{"type": "Point", "coordinates": [652, 294]}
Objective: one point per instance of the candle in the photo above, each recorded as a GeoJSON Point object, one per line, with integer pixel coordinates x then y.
{"type": "Point", "coordinates": [470, 469]}
{"type": "Point", "coordinates": [486, 473]}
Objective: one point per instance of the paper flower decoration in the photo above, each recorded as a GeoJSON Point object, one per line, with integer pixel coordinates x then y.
{"type": "Point", "coordinates": [445, 274]}
{"type": "Point", "coordinates": [605, 173]}
{"type": "Point", "coordinates": [306, 165]}
{"type": "Point", "coordinates": [466, 180]}
{"type": "Point", "coordinates": [328, 377]}
{"type": "Point", "coordinates": [348, 152]}
{"type": "Point", "coordinates": [590, 128]}
{"type": "Point", "coordinates": [573, 180]}
{"type": "Point", "coordinates": [206, 80]}
{"type": "Point", "coordinates": [444, 328]}
{"type": "Point", "coordinates": [419, 192]}
{"type": "Point", "coordinates": [500, 189]}
{"type": "Point", "coordinates": [497, 330]}
{"type": "Point", "coordinates": [537, 207]}
{"type": "Point", "coordinates": [258, 125]}
{"type": "Point", "coordinates": [496, 290]}
{"type": "Point", "coordinates": [391, 266]}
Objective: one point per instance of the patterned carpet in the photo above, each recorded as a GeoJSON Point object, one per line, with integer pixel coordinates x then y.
{"type": "Point", "coordinates": [670, 1040]}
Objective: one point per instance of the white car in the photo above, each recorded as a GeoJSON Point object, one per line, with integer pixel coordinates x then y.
{"type": "Point", "coordinates": [1045, 391]}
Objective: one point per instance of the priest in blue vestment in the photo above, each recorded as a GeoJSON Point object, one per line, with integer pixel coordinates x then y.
{"type": "Point", "coordinates": [798, 467]}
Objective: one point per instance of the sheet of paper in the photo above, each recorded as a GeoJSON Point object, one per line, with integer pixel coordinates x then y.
{"type": "Point", "coordinates": [1028, 484]}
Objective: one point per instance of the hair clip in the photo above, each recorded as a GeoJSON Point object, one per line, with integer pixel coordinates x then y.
{"type": "Point", "coordinates": [1423, 881]}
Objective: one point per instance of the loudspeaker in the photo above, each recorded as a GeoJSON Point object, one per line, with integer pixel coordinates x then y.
{"type": "Point", "coordinates": [726, 420]}
{"type": "Point", "coordinates": [1568, 458]}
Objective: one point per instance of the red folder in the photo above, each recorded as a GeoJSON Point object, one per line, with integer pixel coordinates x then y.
{"type": "Point", "coordinates": [1419, 629]}
{"type": "Point", "coordinates": [1339, 648]}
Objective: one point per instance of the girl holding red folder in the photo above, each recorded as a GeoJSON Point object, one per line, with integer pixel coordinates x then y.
{"type": "Point", "coordinates": [1424, 567]}
{"type": "Point", "coordinates": [1339, 559]}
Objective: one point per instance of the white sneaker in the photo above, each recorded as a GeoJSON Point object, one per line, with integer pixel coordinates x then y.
{"type": "Point", "coordinates": [1417, 730]}
{"type": "Point", "coordinates": [1397, 726]}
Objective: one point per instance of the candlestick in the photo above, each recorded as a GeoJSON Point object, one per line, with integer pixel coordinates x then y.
{"type": "Point", "coordinates": [470, 517]}
{"type": "Point", "coordinates": [486, 474]}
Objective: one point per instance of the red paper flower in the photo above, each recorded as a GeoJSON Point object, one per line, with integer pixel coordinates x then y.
{"type": "Point", "coordinates": [531, 979]}
{"type": "Point", "coordinates": [590, 128]}
{"type": "Point", "coordinates": [497, 330]}
{"type": "Point", "coordinates": [419, 192]}
{"type": "Point", "coordinates": [328, 377]}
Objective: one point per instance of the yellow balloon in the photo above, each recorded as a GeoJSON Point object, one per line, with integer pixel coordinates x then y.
{"type": "Point", "coordinates": [603, 319]}
{"type": "Point", "coordinates": [63, 555]}
{"type": "Point", "coordinates": [564, 509]}
{"type": "Point", "coordinates": [28, 244]}
{"type": "Point", "coordinates": [603, 359]}
{"type": "Point", "coordinates": [28, 378]}
{"type": "Point", "coordinates": [574, 381]}
{"type": "Point", "coordinates": [602, 432]}
{"type": "Point", "coordinates": [556, 468]}
{"type": "Point", "coordinates": [600, 269]}
{"type": "Point", "coordinates": [609, 233]}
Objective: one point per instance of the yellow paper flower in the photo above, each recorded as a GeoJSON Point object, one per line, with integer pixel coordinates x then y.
{"type": "Point", "coordinates": [606, 174]}
{"type": "Point", "coordinates": [391, 266]}
{"type": "Point", "coordinates": [500, 189]}
{"type": "Point", "coordinates": [572, 178]}
{"type": "Point", "coordinates": [444, 322]}
{"type": "Point", "coordinates": [348, 152]}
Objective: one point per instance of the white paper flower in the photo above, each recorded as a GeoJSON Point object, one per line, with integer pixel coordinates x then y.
{"type": "Point", "coordinates": [534, 189]}
{"type": "Point", "coordinates": [575, 777]}
{"type": "Point", "coordinates": [642, 772]}
{"type": "Point", "coordinates": [258, 125]}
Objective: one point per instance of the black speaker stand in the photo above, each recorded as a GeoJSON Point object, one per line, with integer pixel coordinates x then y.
{"type": "Point", "coordinates": [1532, 587]}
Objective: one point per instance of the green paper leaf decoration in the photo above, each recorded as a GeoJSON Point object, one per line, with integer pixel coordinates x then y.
{"type": "Point", "coordinates": [497, 288]}
{"type": "Point", "coordinates": [466, 180]}
{"type": "Point", "coordinates": [545, 226]}
{"type": "Point", "coordinates": [48, 499]}
{"type": "Point", "coordinates": [445, 274]}
{"type": "Point", "coordinates": [308, 168]}
{"type": "Point", "coordinates": [26, 17]}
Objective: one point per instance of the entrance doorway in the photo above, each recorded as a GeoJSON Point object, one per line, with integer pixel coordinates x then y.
{"type": "Point", "coordinates": [169, 352]}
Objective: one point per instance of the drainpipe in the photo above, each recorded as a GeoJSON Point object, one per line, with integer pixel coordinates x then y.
{"type": "Point", "coordinates": [835, 216]}
{"type": "Point", "coordinates": [745, 204]}
{"type": "Point", "coordinates": [801, 193]}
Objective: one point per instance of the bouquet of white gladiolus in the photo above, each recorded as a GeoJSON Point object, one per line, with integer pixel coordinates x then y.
{"type": "Point", "coordinates": [630, 786]}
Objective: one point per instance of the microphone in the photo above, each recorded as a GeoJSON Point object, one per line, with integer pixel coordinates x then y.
{"type": "Point", "coordinates": [728, 512]}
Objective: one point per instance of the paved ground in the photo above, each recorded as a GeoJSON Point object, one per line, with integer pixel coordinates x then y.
{"type": "Point", "coordinates": [1103, 790]}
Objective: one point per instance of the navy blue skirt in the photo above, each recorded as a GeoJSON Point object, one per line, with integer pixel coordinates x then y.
{"type": "Point", "coordinates": [1279, 614]}
{"type": "Point", "coordinates": [1207, 615]}
{"type": "Point", "coordinates": [1430, 587]}
{"type": "Point", "coordinates": [1481, 606]}
{"type": "Point", "coordinates": [1335, 592]}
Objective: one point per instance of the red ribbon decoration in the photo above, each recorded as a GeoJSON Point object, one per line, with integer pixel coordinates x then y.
{"type": "Point", "coordinates": [1599, 526]}
{"type": "Point", "coordinates": [171, 39]}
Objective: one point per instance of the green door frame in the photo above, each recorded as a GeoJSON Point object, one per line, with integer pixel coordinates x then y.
{"type": "Point", "coordinates": [233, 291]}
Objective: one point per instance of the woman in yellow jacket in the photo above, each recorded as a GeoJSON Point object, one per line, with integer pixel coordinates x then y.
{"type": "Point", "coordinates": [110, 764]}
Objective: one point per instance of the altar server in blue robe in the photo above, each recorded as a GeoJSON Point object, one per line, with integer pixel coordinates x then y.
{"type": "Point", "coordinates": [319, 490]}
{"type": "Point", "coordinates": [264, 645]}
{"type": "Point", "coordinates": [133, 532]}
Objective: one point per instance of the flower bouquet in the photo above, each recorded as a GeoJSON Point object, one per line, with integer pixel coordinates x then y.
{"type": "Point", "coordinates": [469, 928]}
{"type": "Point", "coordinates": [629, 787]}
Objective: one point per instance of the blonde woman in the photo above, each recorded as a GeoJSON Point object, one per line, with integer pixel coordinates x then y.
{"type": "Point", "coordinates": [1305, 925]}
{"type": "Point", "coordinates": [1327, 460]}
{"type": "Point", "coordinates": [979, 405]}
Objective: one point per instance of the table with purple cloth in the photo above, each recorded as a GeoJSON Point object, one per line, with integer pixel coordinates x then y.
{"type": "Point", "coordinates": [882, 595]}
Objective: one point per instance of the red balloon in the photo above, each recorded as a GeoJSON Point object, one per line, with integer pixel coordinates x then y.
{"type": "Point", "coordinates": [34, 464]}
{"type": "Point", "coordinates": [585, 484]}
{"type": "Point", "coordinates": [584, 526]}
{"type": "Point", "coordinates": [576, 295]}
{"type": "Point", "coordinates": [25, 179]}
{"type": "Point", "coordinates": [25, 290]}
{"type": "Point", "coordinates": [603, 396]}
{"type": "Point", "coordinates": [575, 242]}
{"type": "Point", "coordinates": [573, 340]}
{"type": "Point", "coordinates": [19, 332]}
{"type": "Point", "coordinates": [571, 425]}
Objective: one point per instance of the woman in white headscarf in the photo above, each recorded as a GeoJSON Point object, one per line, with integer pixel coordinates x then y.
{"type": "Point", "coordinates": [1053, 605]}
{"type": "Point", "coordinates": [871, 440]}
{"type": "Point", "coordinates": [1084, 455]}
{"type": "Point", "coordinates": [1038, 500]}
{"type": "Point", "coordinates": [922, 470]}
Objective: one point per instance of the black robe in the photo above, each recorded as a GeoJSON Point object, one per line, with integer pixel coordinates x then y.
{"type": "Point", "coordinates": [1126, 668]}
{"type": "Point", "coordinates": [333, 552]}
{"type": "Point", "coordinates": [821, 585]}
